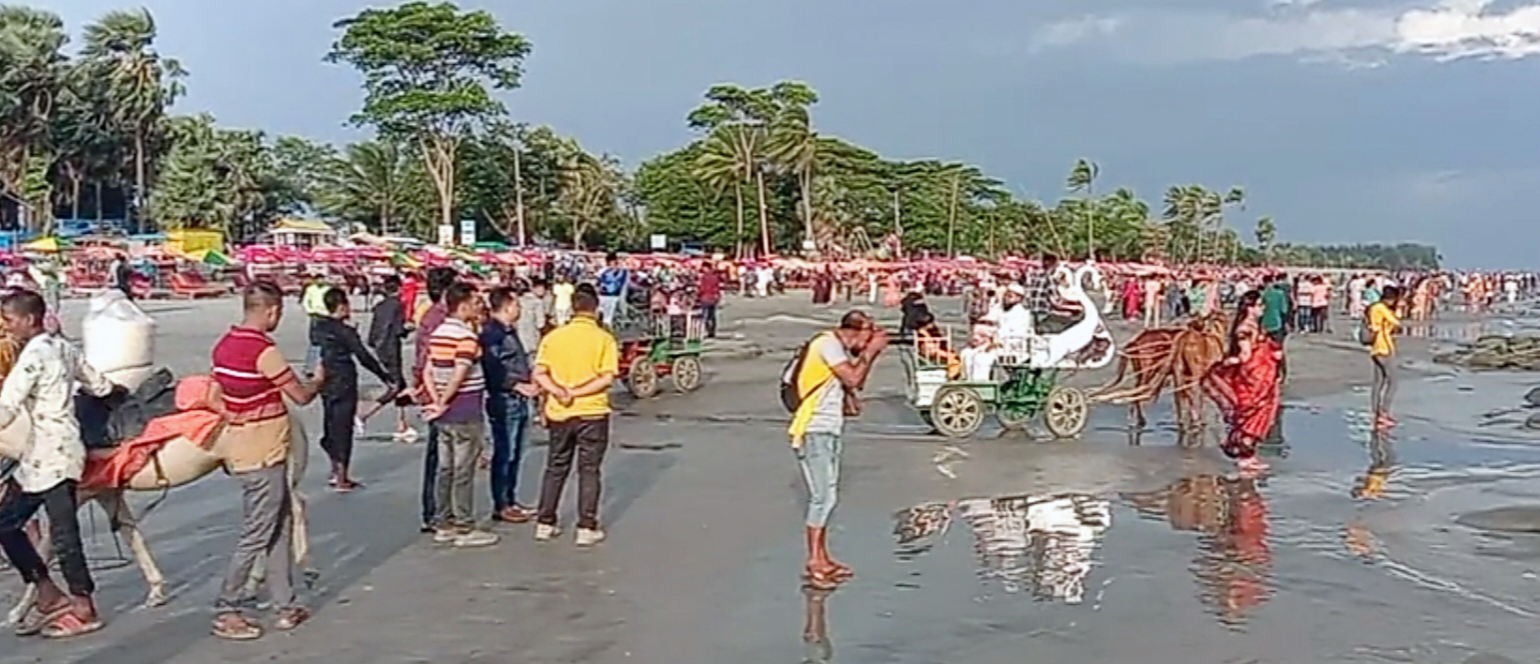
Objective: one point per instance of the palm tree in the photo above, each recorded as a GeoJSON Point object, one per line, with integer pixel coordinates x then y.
{"type": "Point", "coordinates": [590, 188]}
{"type": "Point", "coordinates": [793, 146]}
{"type": "Point", "coordinates": [1082, 180]}
{"type": "Point", "coordinates": [143, 84]}
{"type": "Point", "coordinates": [1266, 234]}
{"type": "Point", "coordinates": [370, 181]}
{"type": "Point", "coordinates": [730, 159]}
{"type": "Point", "coordinates": [33, 69]}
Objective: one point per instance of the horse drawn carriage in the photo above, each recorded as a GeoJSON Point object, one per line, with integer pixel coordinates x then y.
{"type": "Point", "coordinates": [1017, 379]}
{"type": "Point", "coordinates": [655, 344]}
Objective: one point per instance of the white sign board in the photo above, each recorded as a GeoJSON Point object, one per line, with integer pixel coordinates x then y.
{"type": "Point", "coordinates": [467, 232]}
{"type": "Point", "coordinates": [446, 235]}
{"type": "Point", "coordinates": [659, 241]}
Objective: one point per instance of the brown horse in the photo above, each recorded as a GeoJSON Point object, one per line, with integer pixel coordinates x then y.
{"type": "Point", "coordinates": [1179, 355]}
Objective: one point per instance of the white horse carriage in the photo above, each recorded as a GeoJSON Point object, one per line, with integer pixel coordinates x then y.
{"type": "Point", "coordinates": [1016, 378]}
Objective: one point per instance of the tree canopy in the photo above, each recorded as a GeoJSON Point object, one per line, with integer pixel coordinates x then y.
{"type": "Point", "coordinates": [92, 134]}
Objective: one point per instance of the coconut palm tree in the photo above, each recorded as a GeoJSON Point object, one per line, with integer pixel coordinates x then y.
{"type": "Point", "coordinates": [33, 69]}
{"type": "Point", "coordinates": [1082, 180]}
{"type": "Point", "coordinates": [143, 83]}
{"type": "Point", "coordinates": [371, 181]}
{"type": "Point", "coordinates": [731, 160]}
{"type": "Point", "coordinates": [793, 146]}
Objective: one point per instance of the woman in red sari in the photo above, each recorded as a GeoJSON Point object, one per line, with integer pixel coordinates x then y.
{"type": "Point", "coordinates": [1245, 385]}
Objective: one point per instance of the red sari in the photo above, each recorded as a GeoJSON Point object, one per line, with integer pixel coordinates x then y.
{"type": "Point", "coordinates": [1247, 395]}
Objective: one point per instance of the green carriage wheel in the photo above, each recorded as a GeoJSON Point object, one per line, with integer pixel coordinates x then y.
{"type": "Point", "coordinates": [642, 379]}
{"type": "Point", "coordinates": [1066, 412]}
{"type": "Point", "coordinates": [957, 411]}
{"type": "Point", "coordinates": [687, 373]}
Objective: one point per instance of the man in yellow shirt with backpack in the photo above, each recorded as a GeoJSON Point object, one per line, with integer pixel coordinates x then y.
{"type": "Point", "coordinates": [819, 386]}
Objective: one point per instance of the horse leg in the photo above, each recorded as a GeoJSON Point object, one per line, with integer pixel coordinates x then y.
{"type": "Point", "coordinates": [120, 514]}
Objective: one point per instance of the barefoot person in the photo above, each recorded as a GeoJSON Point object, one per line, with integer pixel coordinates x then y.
{"type": "Point", "coordinates": [825, 378]}
{"type": "Point", "coordinates": [1383, 324]}
{"type": "Point", "coordinates": [1245, 384]}
{"type": "Point", "coordinates": [41, 385]}
{"type": "Point", "coordinates": [254, 377]}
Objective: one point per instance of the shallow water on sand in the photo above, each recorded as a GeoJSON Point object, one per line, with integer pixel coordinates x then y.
{"type": "Point", "coordinates": [1086, 551]}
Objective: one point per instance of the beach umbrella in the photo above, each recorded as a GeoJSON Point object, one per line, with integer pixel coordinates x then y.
{"type": "Point", "coordinates": [48, 244]}
{"type": "Point", "coordinates": [212, 257]}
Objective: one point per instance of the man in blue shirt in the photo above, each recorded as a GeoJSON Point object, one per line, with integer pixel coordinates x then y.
{"type": "Point", "coordinates": [505, 363]}
{"type": "Point", "coordinates": [612, 287]}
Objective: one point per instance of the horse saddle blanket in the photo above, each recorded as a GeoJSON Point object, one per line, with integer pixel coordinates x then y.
{"type": "Point", "coordinates": [107, 421]}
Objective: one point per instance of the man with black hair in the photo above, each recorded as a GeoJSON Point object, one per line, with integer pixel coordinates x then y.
{"type": "Point", "coordinates": [41, 385]}
{"type": "Point", "coordinates": [510, 385]}
{"type": "Point", "coordinates": [832, 368]}
{"type": "Point", "coordinates": [439, 279]}
{"type": "Point", "coordinates": [254, 377]}
{"type": "Point", "coordinates": [612, 287]}
{"type": "Point", "coordinates": [575, 366]}
{"type": "Point", "coordinates": [456, 388]}
{"type": "Point", "coordinates": [340, 347]}
{"type": "Point", "coordinates": [387, 327]}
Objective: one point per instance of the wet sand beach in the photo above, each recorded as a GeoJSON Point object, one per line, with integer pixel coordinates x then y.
{"type": "Point", "coordinates": [998, 549]}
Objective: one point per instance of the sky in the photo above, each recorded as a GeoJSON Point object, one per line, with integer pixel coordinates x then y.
{"type": "Point", "coordinates": [1344, 120]}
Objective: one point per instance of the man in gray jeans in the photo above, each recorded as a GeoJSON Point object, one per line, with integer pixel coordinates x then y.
{"type": "Point", "coordinates": [456, 389]}
{"type": "Point", "coordinates": [254, 378]}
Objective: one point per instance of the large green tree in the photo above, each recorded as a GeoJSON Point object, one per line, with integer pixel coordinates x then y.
{"type": "Point", "coordinates": [430, 70]}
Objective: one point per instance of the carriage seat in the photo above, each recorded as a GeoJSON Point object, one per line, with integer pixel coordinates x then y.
{"type": "Point", "coordinates": [107, 421]}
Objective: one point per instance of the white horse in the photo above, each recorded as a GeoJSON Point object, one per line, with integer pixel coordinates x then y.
{"type": "Point", "coordinates": [178, 462]}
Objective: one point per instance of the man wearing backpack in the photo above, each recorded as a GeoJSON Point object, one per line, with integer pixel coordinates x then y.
{"type": "Point", "coordinates": [820, 388]}
{"type": "Point", "coordinates": [1381, 329]}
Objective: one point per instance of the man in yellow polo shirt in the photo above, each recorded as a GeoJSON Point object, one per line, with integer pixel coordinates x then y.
{"type": "Point", "coordinates": [575, 366]}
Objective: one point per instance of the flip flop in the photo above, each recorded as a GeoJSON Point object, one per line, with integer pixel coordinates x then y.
{"type": "Point", "coordinates": [69, 626]}
{"type": "Point", "coordinates": [35, 627]}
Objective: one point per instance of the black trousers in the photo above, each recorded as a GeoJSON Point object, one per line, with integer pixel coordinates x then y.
{"type": "Point", "coordinates": [64, 527]}
{"type": "Point", "coordinates": [586, 438]}
{"type": "Point", "coordinates": [338, 410]}
{"type": "Point", "coordinates": [709, 312]}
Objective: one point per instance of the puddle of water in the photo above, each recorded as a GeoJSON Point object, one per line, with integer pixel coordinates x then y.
{"type": "Point", "coordinates": [1349, 551]}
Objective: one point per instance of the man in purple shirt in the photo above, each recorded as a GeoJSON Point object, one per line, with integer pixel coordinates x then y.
{"type": "Point", "coordinates": [439, 280]}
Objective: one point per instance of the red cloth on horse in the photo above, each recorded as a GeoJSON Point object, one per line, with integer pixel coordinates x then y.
{"type": "Point", "coordinates": [112, 469]}
{"type": "Point", "coordinates": [1248, 396]}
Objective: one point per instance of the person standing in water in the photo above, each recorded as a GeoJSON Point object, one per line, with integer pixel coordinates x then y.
{"type": "Point", "coordinates": [1383, 324]}
{"type": "Point", "coordinates": [1245, 385]}
{"type": "Point", "coordinates": [825, 378]}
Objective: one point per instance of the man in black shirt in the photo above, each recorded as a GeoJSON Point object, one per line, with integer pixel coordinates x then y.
{"type": "Point", "coordinates": [340, 345]}
{"type": "Point", "coordinates": [387, 328]}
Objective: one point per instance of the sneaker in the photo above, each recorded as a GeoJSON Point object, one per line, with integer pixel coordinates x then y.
{"type": "Point", "coordinates": [476, 538]}
{"type": "Point", "coordinates": [406, 437]}
{"type": "Point", "coordinates": [589, 536]}
{"type": "Point", "coordinates": [546, 533]}
{"type": "Point", "coordinates": [445, 535]}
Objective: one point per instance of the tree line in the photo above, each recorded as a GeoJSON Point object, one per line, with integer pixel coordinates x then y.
{"type": "Point", "coordinates": [91, 133]}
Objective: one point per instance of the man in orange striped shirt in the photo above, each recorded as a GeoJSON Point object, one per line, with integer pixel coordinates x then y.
{"type": "Point", "coordinates": [456, 390]}
{"type": "Point", "coordinates": [255, 377]}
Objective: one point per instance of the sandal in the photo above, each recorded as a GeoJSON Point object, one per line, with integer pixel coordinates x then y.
{"type": "Point", "coordinates": [235, 627]}
{"type": "Point", "coordinates": [71, 625]}
{"type": "Point", "coordinates": [820, 580]}
{"type": "Point", "coordinates": [290, 618]}
{"type": "Point", "coordinates": [42, 621]}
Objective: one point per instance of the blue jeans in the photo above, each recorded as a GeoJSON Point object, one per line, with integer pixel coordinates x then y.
{"type": "Point", "coordinates": [819, 457]}
{"type": "Point", "coordinates": [430, 478]}
{"type": "Point", "coordinates": [509, 417]}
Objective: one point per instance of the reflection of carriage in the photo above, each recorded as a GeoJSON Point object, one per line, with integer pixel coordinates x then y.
{"type": "Point", "coordinates": [1023, 381]}
{"type": "Point", "coordinates": [654, 344]}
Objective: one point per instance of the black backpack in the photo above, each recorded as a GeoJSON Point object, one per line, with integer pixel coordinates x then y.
{"type": "Point", "coordinates": [790, 398]}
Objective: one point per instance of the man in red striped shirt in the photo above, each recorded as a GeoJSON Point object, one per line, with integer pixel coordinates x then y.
{"type": "Point", "coordinates": [254, 378]}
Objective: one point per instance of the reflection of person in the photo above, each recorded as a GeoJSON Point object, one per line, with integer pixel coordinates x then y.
{"type": "Point", "coordinates": [815, 625]}
{"type": "Point", "coordinates": [1245, 384]}
{"type": "Point", "coordinates": [1382, 459]}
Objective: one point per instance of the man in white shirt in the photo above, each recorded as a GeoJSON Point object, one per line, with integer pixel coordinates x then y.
{"type": "Point", "coordinates": [41, 384]}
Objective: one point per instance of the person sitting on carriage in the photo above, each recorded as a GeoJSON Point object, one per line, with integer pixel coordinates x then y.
{"type": "Point", "coordinates": [932, 344]}
{"type": "Point", "coordinates": [978, 359]}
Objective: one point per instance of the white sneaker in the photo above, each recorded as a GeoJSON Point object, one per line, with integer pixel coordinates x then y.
{"type": "Point", "coordinates": [445, 535]}
{"type": "Point", "coordinates": [589, 536]}
{"type": "Point", "coordinates": [476, 538]}
{"type": "Point", "coordinates": [406, 437]}
{"type": "Point", "coordinates": [358, 427]}
{"type": "Point", "coordinates": [545, 533]}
